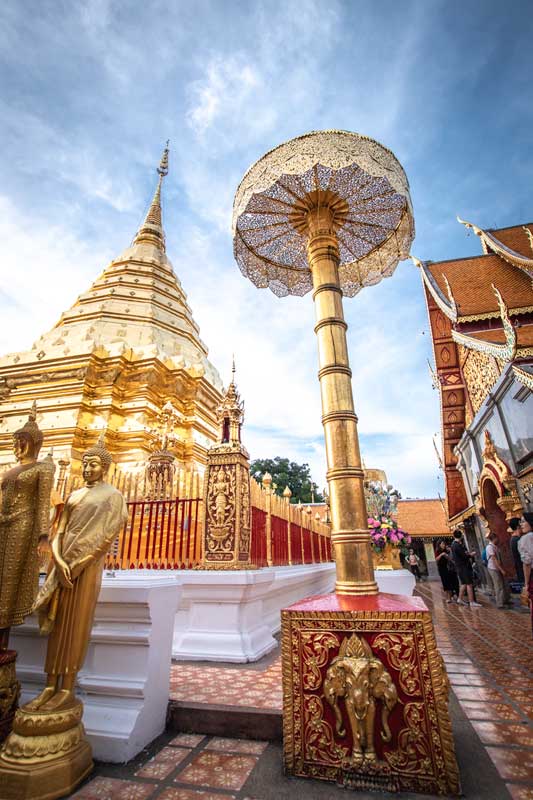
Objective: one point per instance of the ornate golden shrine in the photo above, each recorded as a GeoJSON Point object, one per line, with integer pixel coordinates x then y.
{"type": "Point", "coordinates": [227, 490]}
{"type": "Point", "coordinates": [498, 473]}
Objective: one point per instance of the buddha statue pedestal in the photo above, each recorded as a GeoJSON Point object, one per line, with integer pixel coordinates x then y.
{"type": "Point", "coordinates": [46, 756]}
{"type": "Point", "coordinates": [9, 691]}
{"type": "Point", "coordinates": [365, 695]}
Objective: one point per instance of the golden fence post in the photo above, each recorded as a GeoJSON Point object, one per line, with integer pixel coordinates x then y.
{"type": "Point", "coordinates": [310, 522]}
{"type": "Point", "coordinates": [300, 510]}
{"type": "Point", "coordinates": [287, 497]}
{"type": "Point", "coordinates": [267, 485]}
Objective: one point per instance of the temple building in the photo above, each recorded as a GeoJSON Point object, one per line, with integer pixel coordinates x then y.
{"type": "Point", "coordinates": [481, 318]}
{"type": "Point", "coordinates": [127, 357]}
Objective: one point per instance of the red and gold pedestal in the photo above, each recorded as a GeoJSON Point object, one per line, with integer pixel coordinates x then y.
{"type": "Point", "coordinates": [365, 695]}
{"type": "Point", "coordinates": [9, 691]}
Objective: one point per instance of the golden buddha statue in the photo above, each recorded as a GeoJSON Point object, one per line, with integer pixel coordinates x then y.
{"type": "Point", "coordinates": [47, 754]}
{"type": "Point", "coordinates": [24, 526]}
{"type": "Point", "coordinates": [90, 521]}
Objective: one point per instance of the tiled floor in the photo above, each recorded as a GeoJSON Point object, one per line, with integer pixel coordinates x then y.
{"type": "Point", "coordinates": [228, 686]}
{"type": "Point", "coordinates": [188, 767]}
{"type": "Point", "coordinates": [489, 658]}
{"type": "Point", "coordinates": [488, 655]}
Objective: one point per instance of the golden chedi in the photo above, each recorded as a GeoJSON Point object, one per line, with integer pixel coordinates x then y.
{"type": "Point", "coordinates": [126, 347]}
{"type": "Point", "coordinates": [47, 754]}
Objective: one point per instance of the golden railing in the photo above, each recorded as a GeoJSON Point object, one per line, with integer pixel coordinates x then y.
{"type": "Point", "coordinates": [165, 524]}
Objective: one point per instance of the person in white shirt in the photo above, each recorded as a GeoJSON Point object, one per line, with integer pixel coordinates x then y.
{"type": "Point", "coordinates": [525, 548]}
{"type": "Point", "coordinates": [497, 573]}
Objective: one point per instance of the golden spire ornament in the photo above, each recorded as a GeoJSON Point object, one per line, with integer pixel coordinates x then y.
{"type": "Point", "coordinates": [151, 231]}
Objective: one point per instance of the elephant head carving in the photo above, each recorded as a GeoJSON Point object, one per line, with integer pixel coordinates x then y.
{"type": "Point", "coordinates": [361, 680]}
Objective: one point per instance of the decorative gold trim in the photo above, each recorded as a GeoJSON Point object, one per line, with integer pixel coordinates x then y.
{"type": "Point", "coordinates": [505, 352]}
{"type": "Point", "coordinates": [458, 518]}
{"type": "Point", "coordinates": [511, 256]}
{"type": "Point", "coordinates": [513, 312]}
{"type": "Point", "coordinates": [524, 377]}
{"type": "Point", "coordinates": [448, 307]}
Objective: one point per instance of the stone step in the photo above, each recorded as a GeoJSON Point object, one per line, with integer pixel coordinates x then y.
{"type": "Point", "coordinates": [237, 722]}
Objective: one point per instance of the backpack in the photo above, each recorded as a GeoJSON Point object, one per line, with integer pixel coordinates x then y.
{"type": "Point", "coordinates": [484, 556]}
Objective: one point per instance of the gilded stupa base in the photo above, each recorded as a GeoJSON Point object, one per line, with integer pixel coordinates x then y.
{"type": "Point", "coordinates": [46, 756]}
{"type": "Point", "coordinates": [9, 691]}
{"type": "Point", "coordinates": [365, 695]}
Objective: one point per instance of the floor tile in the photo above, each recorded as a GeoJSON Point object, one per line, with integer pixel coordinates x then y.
{"type": "Point", "coordinates": [187, 740]}
{"type": "Point", "coordinates": [176, 793]}
{"type": "Point", "coordinates": [218, 770]}
{"type": "Point", "coordinates": [512, 764]}
{"type": "Point", "coordinates": [114, 789]}
{"type": "Point", "coordinates": [489, 711]}
{"type": "Point", "coordinates": [504, 733]}
{"type": "Point", "coordinates": [520, 792]}
{"type": "Point", "coordinates": [237, 746]}
{"type": "Point", "coordinates": [474, 693]}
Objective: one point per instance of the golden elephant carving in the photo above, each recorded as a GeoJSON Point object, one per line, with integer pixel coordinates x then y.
{"type": "Point", "coordinates": [361, 679]}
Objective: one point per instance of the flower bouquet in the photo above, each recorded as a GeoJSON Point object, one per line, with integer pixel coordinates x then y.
{"type": "Point", "coordinates": [388, 541]}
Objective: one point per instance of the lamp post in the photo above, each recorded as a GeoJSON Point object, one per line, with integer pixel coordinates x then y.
{"type": "Point", "coordinates": [328, 212]}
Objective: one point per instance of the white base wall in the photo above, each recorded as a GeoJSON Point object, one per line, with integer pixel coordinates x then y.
{"type": "Point", "coordinates": [395, 581]}
{"type": "Point", "coordinates": [232, 615]}
{"type": "Point", "coordinates": [124, 683]}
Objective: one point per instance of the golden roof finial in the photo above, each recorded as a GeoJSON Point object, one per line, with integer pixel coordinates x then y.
{"type": "Point", "coordinates": [151, 231]}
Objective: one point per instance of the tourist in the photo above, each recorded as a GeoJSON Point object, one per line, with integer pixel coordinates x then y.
{"type": "Point", "coordinates": [446, 569]}
{"type": "Point", "coordinates": [462, 558]}
{"type": "Point", "coordinates": [414, 564]}
{"type": "Point", "coordinates": [486, 574]}
{"type": "Point", "coordinates": [525, 548]}
{"type": "Point", "coordinates": [497, 573]}
{"type": "Point", "coordinates": [516, 533]}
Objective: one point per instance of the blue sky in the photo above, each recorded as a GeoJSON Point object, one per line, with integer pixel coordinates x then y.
{"type": "Point", "coordinates": [91, 91]}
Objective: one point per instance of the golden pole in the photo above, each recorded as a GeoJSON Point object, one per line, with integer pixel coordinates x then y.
{"type": "Point", "coordinates": [350, 536]}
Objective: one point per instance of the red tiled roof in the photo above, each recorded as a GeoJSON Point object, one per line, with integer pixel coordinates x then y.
{"type": "Point", "coordinates": [470, 280]}
{"type": "Point", "coordinates": [514, 237]}
{"type": "Point", "coordinates": [422, 517]}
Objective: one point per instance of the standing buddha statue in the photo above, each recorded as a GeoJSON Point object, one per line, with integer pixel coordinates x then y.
{"type": "Point", "coordinates": [24, 526]}
{"type": "Point", "coordinates": [89, 523]}
{"type": "Point", "coordinates": [47, 754]}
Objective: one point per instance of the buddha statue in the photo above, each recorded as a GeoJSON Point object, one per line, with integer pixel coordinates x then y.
{"type": "Point", "coordinates": [24, 526]}
{"type": "Point", "coordinates": [92, 518]}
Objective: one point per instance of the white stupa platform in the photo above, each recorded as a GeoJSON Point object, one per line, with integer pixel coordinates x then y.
{"type": "Point", "coordinates": [125, 679]}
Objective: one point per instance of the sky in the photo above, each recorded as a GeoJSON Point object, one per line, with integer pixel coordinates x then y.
{"type": "Point", "coordinates": [90, 91]}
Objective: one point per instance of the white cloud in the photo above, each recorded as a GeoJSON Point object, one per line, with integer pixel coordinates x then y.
{"type": "Point", "coordinates": [228, 84]}
{"type": "Point", "coordinates": [44, 267]}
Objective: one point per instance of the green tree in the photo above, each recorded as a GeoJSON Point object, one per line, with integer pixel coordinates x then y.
{"type": "Point", "coordinates": [288, 473]}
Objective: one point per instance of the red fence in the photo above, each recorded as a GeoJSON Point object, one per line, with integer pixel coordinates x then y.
{"type": "Point", "coordinates": [159, 534]}
{"type": "Point", "coordinates": [258, 538]}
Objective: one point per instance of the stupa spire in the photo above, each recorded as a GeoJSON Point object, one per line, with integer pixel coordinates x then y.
{"type": "Point", "coordinates": [151, 231]}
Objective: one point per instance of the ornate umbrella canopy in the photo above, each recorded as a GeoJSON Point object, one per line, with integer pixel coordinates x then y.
{"type": "Point", "coordinates": [361, 181]}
